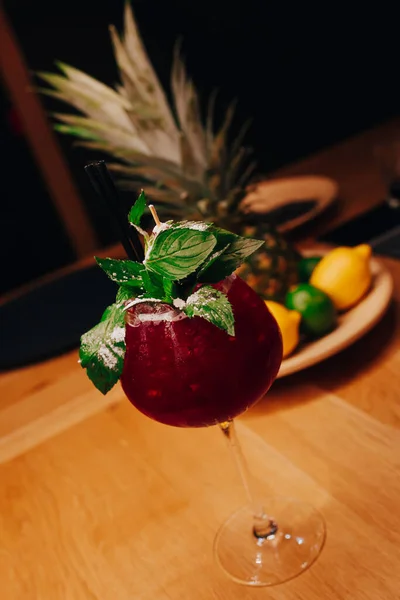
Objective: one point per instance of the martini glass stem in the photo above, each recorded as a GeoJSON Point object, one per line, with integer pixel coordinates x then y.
{"type": "Point", "coordinates": [264, 526]}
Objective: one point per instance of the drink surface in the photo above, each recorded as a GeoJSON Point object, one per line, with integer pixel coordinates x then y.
{"type": "Point", "coordinates": [187, 372]}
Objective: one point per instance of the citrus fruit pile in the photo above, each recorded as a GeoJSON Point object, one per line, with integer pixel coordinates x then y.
{"type": "Point", "coordinates": [327, 285]}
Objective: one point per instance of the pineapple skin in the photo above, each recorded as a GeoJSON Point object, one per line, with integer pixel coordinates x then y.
{"type": "Point", "coordinates": [272, 270]}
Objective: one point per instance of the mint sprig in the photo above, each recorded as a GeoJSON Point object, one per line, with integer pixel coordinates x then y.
{"type": "Point", "coordinates": [136, 213]}
{"type": "Point", "coordinates": [102, 349]}
{"type": "Point", "coordinates": [230, 252]}
{"type": "Point", "coordinates": [157, 286]}
{"type": "Point", "coordinates": [123, 295]}
{"type": "Point", "coordinates": [176, 253]}
{"type": "Point", "coordinates": [180, 257]}
{"type": "Point", "coordinates": [212, 305]}
{"type": "Point", "coordinates": [124, 272]}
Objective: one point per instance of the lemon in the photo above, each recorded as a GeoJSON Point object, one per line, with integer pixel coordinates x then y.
{"type": "Point", "coordinates": [288, 322]}
{"type": "Point", "coordinates": [344, 274]}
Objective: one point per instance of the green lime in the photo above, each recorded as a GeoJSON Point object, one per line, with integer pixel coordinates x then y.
{"type": "Point", "coordinates": [318, 314]}
{"type": "Point", "coordinates": [306, 266]}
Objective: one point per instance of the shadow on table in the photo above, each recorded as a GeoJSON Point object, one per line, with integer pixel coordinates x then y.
{"type": "Point", "coordinates": [333, 373]}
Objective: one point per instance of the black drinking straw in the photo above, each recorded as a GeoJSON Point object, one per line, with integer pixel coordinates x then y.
{"type": "Point", "coordinates": [103, 184]}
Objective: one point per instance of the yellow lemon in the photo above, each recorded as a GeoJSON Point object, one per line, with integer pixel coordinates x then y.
{"type": "Point", "coordinates": [344, 274]}
{"type": "Point", "coordinates": [288, 322]}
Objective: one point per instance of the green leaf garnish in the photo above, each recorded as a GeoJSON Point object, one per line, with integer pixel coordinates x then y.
{"type": "Point", "coordinates": [212, 305]}
{"type": "Point", "coordinates": [137, 210]}
{"type": "Point", "coordinates": [102, 349]}
{"type": "Point", "coordinates": [106, 313]}
{"type": "Point", "coordinates": [123, 295]}
{"type": "Point", "coordinates": [206, 267]}
{"type": "Point", "coordinates": [170, 290]}
{"type": "Point", "coordinates": [154, 285]}
{"type": "Point", "coordinates": [158, 287]}
{"type": "Point", "coordinates": [230, 252]}
{"type": "Point", "coordinates": [179, 256]}
{"type": "Point", "coordinates": [176, 253]}
{"type": "Point", "coordinates": [124, 272]}
{"type": "Point", "coordinates": [194, 225]}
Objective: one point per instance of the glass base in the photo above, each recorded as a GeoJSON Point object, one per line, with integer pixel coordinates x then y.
{"type": "Point", "coordinates": [277, 558]}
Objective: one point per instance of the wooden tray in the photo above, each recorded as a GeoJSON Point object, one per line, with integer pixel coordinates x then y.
{"type": "Point", "coordinates": [352, 325]}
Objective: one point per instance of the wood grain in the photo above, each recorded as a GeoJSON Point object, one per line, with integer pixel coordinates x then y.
{"type": "Point", "coordinates": [353, 165]}
{"type": "Point", "coordinates": [99, 503]}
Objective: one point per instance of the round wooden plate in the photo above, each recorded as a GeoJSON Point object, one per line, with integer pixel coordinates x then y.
{"type": "Point", "coordinates": [352, 324]}
{"type": "Point", "coordinates": [272, 195]}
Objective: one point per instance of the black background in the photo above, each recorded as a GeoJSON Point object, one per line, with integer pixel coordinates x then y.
{"type": "Point", "coordinates": [307, 75]}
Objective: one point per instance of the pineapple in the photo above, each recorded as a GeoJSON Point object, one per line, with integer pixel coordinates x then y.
{"type": "Point", "coordinates": [272, 270]}
{"type": "Point", "coordinates": [188, 169]}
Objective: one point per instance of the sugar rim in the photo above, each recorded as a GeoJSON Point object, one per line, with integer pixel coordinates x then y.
{"type": "Point", "coordinates": [170, 313]}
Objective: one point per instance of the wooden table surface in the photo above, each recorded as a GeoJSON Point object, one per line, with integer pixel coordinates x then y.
{"type": "Point", "coordinates": [98, 502]}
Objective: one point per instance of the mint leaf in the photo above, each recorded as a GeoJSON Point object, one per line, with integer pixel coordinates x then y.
{"type": "Point", "coordinates": [125, 272]}
{"type": "Point", "coordinates": [124, 294]}
{"type": "Point", "coordinates": [212, 305]}
{"type": "Point", "coordinates": [223, 236]}
{"type": "Point", "coordinates": [210, 261]}
{"type": "Point", "coordinates": [137, 210]}
{"type": "Point", "coordinates": [170, 291]}
{"type": "Point", "coordinates": [106, 313]}
{"type": "Point", "coordinates": [194, 225]}
{"type": "Point", "coordinates": [102, 349]}
{"type": "Point", "coordinates": [175, 253]}
{"type": "Point", "coordinates": [153, 284]}
{"type": "Point", "coordinates": [231, 250]}
{"type": "Point", "coordinates": [159, 287]}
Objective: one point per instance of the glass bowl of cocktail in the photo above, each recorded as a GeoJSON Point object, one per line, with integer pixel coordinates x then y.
{"type": "Point", "coordinates": [194, 346]}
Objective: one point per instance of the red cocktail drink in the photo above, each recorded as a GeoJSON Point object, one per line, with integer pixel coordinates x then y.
{"type": "Point", "coordinates": [187, 372]}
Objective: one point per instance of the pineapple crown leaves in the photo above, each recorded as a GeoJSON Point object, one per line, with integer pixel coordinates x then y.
{"type": "Point", "coordinates": [167, 151]}
{"type": "Point", "coordinates": [182, 261]}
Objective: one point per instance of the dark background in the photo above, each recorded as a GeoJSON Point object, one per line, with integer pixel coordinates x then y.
{"type": "Point", "coordinates": [308, 77]}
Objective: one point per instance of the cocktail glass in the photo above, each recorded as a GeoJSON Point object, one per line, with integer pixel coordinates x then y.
{"type": "Point", "coordinates": [187, 372]}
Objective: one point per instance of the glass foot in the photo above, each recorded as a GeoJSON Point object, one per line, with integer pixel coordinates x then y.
{"type": "Point", "coordinates": [292, 549]}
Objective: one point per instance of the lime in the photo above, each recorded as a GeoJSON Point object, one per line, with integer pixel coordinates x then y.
{"type": "Point", "coordinates": [306, 266]}
{"type": "Point", "coordinates": [318, 313]}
